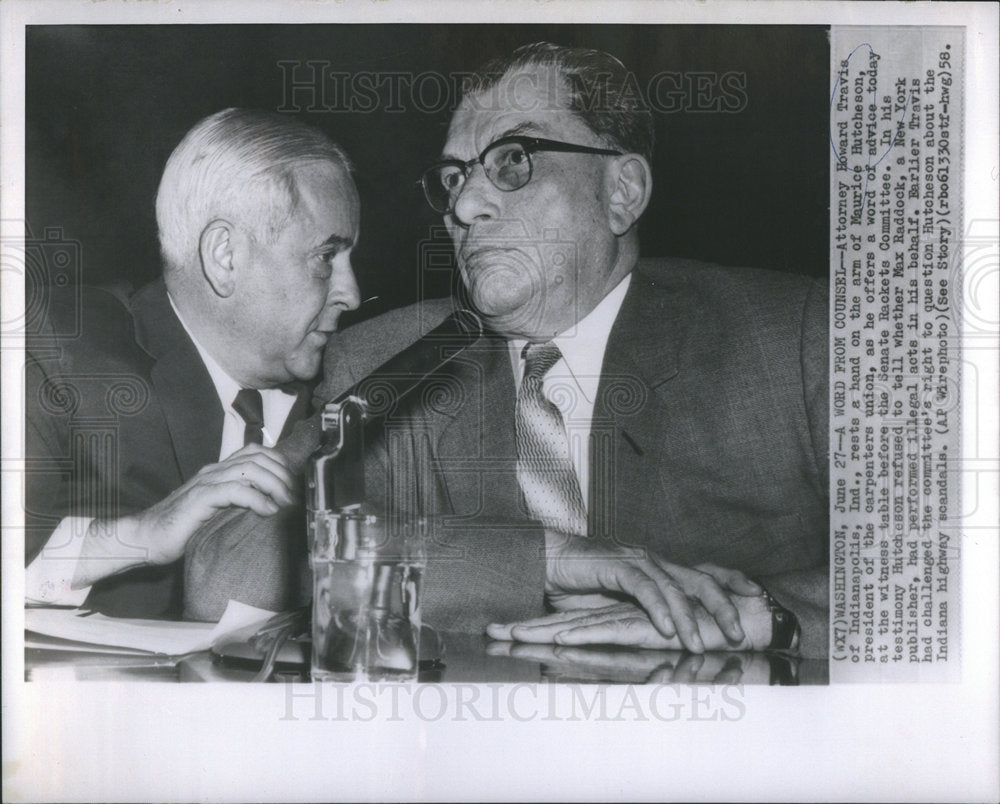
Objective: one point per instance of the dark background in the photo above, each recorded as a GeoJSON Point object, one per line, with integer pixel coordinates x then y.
{"type": "Point", "coordinates": [105, 105]}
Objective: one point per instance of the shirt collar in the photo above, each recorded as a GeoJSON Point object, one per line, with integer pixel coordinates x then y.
{"type": "Point", "coordinates": [225, 386]}
{"type": "Point", "coordinates": [583, 346]}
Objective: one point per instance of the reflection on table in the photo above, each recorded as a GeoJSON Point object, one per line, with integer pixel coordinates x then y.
{"type": "Point", "coordinates": [467, 658]}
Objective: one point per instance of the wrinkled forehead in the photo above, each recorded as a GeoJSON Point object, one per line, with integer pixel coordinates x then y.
{"type": "Point", "coordinates": [532, 102]}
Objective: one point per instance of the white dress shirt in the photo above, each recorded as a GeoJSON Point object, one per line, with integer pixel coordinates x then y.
{"type": "Point", "coordinates": [571, 384]}
{"type": "Point", "coordinates": [49, 577]}
{"type": "Point", "coordinates": [277, 403]}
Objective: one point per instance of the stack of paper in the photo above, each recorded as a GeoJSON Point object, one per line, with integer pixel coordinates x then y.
{"type": "Point", "coordinates": [81, 630]}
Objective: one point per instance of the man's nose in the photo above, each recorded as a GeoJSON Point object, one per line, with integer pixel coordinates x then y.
{"type": "Point", "coordinates": [477, 200]}
{"type": "Point", "coordinates": [344, 293]}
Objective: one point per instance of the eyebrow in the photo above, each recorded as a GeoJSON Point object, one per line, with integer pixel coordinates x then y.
{"type": "Point", "coordinates": [527, 127]}
{"type": "Point", "coordinates": [339, 242]}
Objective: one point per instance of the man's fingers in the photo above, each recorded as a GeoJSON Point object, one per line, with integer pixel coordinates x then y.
{"type": "Point", "coordinates": [684, 619]}
{"type": "Point", "coordinates": [264, 461]}
{"type": "Point", "coordinates": [276, 486]}
{"type": "Point", "coordinates": [705, 588]}
{"type": "Point", "coordinates": [558, 619]}
{"type": "Point", "coordinates": [250, 455]}
{"type": "Point", "coordinates": [680, 601]}
{"type": "Point", "coordinates": [171, 523]}
{"type": "Point", "coordinates": [569, 602]}
{"type": "Point", "coordinates": [539, 634]}
{"type": "Point", "coordinates": [664, 602]}
{"type": "Point", "coordinates": [268, 461]}
{"type": "Point", "coordinates": [621, 625]}
{"type": "Point", "coordinates": [543, 629]}
{"type": "Point", "coordinates": [251, 450]}
{"type": "Point", "coordinates": [241, 495]}
{"type": "Point", "coordinates": [500, 631]}
{"type": "Point", "coordinates": [635, 632]}
{"type": "Point", "coordinates": [732, 579]}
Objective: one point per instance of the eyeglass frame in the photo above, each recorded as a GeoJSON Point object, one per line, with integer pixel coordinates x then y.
{"type": "Point", "coordinates": [530, 145]}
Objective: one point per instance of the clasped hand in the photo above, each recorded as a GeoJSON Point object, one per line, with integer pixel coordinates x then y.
{"type": "Point", "coordinates": [665, 605]}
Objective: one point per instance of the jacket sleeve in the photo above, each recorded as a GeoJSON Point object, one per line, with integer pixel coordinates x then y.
{"type": "Point", "coordinates": [47, 477]}
{"type": "Point", "coordinates": [807, 592]}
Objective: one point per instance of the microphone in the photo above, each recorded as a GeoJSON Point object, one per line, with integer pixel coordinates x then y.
{"type": "Point", "coordinates": [403, 373]}
{"type": "Point", "coordinates": [336, 476]}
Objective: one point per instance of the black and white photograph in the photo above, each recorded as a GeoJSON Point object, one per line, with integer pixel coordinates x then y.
{"type": "Point", "coordinates": [416, 406]}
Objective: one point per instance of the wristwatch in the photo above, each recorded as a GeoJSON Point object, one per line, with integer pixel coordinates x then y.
{"type": "Point", "coordinates": [785, 630]}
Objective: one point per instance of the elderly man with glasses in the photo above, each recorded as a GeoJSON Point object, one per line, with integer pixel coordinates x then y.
{"type": "Point", "coordinates": [637, 438]}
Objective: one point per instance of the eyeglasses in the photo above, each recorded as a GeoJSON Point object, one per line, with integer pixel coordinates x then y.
{"type": "Point", "coordinates": [507, 163]}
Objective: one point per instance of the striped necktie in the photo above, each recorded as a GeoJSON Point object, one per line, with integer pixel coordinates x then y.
{"type": "Point", "coordinates": [544, 470]}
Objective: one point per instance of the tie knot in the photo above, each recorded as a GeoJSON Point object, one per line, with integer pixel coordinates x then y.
{"type": "Point", "coordinates": [539, 358]}
{"type": "Point", "coordinates": [250, 406]}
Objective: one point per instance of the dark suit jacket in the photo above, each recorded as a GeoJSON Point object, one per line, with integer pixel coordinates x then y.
{"type": "Point", "coordinates": [710, 442]}
{"type": "Point", "coordinates": [120, 411]}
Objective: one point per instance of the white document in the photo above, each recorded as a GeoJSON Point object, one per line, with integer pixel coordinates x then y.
{"type": "Point", "coordinates": [154, 636]}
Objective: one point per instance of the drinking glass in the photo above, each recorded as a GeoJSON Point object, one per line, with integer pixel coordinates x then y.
{"type": "Point", "coordinates": [367, 573]}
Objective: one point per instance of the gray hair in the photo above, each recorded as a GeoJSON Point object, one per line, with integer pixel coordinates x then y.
{"type": "Point", "coordinates": [239, 164]}
{"type": "Point", "coordinates": [602, 92]}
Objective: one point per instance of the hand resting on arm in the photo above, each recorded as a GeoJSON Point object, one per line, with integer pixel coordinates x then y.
{"type": "Point", "coordinates": [255, 478]}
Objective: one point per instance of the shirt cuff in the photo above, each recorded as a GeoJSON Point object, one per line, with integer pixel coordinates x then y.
{"type": "Point", "coordinates": [49, 578]}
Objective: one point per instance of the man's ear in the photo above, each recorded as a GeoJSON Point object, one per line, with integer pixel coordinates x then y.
{"type": "Point", "coordinates": [632, 185]}
{"type": "Point", "coordinates": [215, 247]}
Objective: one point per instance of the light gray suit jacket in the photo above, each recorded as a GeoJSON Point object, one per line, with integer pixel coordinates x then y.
{"type": "Point", "coordinates": [709, 443]}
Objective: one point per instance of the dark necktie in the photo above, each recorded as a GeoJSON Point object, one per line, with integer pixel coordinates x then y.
{"type": "Point", "coordinates": [544, 469]}
{"type": "Point", "coordinates": [250, 406]}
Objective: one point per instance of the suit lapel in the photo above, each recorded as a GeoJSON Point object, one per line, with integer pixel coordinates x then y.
{"type": "Point", "coordinates": [630, 411]}
{"type": "Point", "coordinates": [648, 334]}
{"type": "Point", "coordinates": [181, 381]}
{"type": "Point", "coordinates": [476, 447]}
{"type": "Point", "coordinates": [486, 560]}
